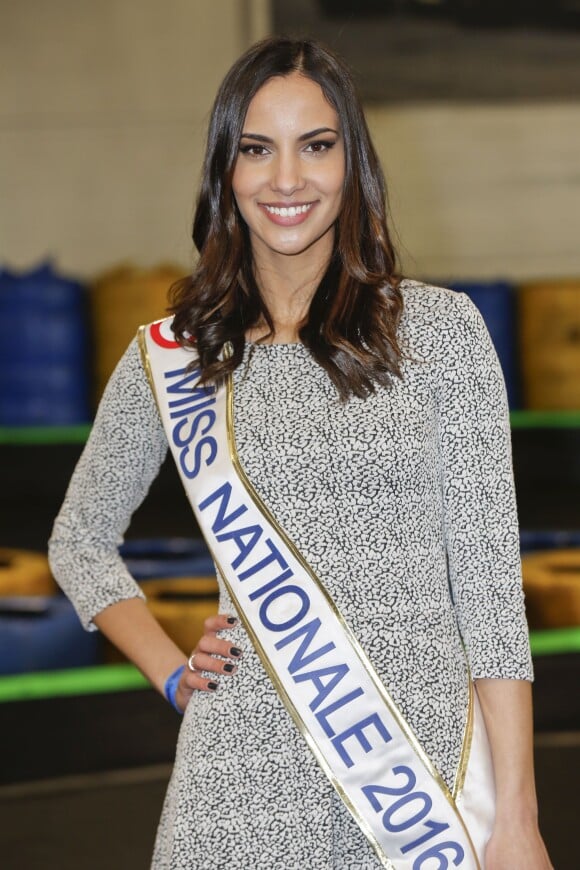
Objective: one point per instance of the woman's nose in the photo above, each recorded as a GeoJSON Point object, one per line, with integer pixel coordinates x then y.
{"type": "Point", "coordinates": [287, 175]}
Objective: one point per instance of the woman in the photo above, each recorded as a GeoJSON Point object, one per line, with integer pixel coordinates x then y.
{"type": "Point", "coordinates": [371, 427]}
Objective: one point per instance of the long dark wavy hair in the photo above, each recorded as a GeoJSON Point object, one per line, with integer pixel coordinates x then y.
{"type": "Point", "coordinates": [351, 325]}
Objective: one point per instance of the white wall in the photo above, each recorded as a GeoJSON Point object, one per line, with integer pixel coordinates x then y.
{"type": "Point", "coordinates": [484, 190]}
{"type": "Point", "coordinates": [103, 108]}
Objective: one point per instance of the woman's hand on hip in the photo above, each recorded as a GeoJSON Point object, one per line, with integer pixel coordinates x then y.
{"type": "Point", "coordinates": [212, 654]}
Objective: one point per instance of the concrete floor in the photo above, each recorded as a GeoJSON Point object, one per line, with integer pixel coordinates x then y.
{"type": "Point", "coordinates": [103, 821]}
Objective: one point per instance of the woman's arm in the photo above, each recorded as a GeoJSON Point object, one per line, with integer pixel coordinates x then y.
{"type": "Point", "coordinates": [122, 457]}
{"type": "Point", "coordinates": [516, 843]}
{"type": "Point", "coordinates": [480, 509]}
{"type": "Point", "coordinates": [482, 542]}
{"type": "Point", "coordinates": [131, 627]}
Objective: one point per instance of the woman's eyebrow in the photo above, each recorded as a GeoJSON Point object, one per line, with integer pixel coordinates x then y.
{"type": "Point", "coordinates": [259, 138]}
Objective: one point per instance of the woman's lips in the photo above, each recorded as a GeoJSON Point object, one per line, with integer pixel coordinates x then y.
{"type": "Point", "coordinates": [287, 215]}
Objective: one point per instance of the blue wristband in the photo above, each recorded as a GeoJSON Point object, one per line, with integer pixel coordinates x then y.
{"type": "Point", "coordinates": [171, 687]}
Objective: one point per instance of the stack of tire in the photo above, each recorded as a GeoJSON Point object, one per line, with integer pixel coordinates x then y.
{"type": "Point", "coordinates": [549, 314]}
{"type": "Point", "coordinates": [43, 349]}
{"type": "Point", "coordinates": [551, 575]}
{"type": "Point", "coordinates": [122, 299]}
{"type": "Point", "coordinates": [39, 629]}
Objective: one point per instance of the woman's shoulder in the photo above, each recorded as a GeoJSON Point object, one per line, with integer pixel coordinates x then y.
{"type": "Point", "coordinates": [128, 394]}
{"type": "Point", "coordinates": [436, 320]}
{"type": "Point", "coordinates": [422, 299]}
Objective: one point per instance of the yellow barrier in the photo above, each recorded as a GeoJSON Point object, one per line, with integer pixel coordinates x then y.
{"type": "Point", "coordinates": [549, 320]}
{"type": "Point", "coordinates": [121, 300]}
{"type": "Point", "coordinates": [23, 572]}
{"type": "Point", "coordinates": [182, 605]}
{"type": "Point", "coordinates": [552, 588]}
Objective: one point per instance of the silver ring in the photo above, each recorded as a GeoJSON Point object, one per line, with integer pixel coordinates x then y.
{"type": "Point", "coordinates": [191, 662]}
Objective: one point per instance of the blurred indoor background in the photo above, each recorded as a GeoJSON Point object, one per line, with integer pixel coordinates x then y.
{"type": "Point", "coordinates": [474, 106]}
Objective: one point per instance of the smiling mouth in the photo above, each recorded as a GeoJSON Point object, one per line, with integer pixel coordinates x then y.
{"type": "Point", "coordinates": [288, 211]}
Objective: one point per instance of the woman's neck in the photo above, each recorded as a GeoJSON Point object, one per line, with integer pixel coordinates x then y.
{"type": "Point", "coordinates": [287, 291]}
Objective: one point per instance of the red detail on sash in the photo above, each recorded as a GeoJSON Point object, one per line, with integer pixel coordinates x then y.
{"type": "Point", "coordinates": [155, 330]}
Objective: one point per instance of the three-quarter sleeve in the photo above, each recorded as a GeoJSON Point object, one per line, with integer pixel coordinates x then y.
{"type": "Point", "coordinates": [122, 457]}
{"type": "Point", "coordinates": [480, 512]}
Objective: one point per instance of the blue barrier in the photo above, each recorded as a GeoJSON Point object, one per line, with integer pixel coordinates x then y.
{"type": "Point", "coordinates": [496, 300]}
{"type": "Point", "coordinates": [548, 539]}
{"type": "Point", "coordinates": [167, 557]}
{"type": "Point", "coordinates": [43, 349]}
{"type": "Point", "coordinates": [43, 633]}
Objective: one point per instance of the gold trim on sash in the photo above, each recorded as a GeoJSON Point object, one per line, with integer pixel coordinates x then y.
{"type": "Point", "coordinates": [466, 743]}
{"type": "Point", "coordinates": [142, 342]}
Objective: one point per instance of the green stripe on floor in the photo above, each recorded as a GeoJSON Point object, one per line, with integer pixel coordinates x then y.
{"type": "Point", "coordinates": [77, 681]}
{"type": "Point", "coordinates": [545, 419]}
{"type": "Point", "coordinates": [555, 641]}
{"type": "Point", "coordinates": [18, 435]}
{"type": "Point", "coordinates": [125, 677]}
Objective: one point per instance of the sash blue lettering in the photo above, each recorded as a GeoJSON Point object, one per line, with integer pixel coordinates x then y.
{"type": "Point", "coordinates": [188, 407]}
{"type": "Point", "coordinates": [358, 730]}
{"type": "Point", "coordinates": [336, 672]}
{"type": "Point", "coordinates": [178, 403]}
{"type": "Point", "coordinates": [238, 536]}
{"type": "Point", "coordinates": [285, 575]}
{"type": "Point", "coordinates": [406, 794]}
{"type": "Point", "coordinates": [182, 386]}
{"type": "Point", "coordinates": [323, 715]}
{"type": "Point", "coordinates": [183, 440]}
{"type": "Point", "coordinates": [274, 556]}
{"type": "Point", "coordinates": [198, 456]}
{"type": "Point", "coordinates": [300, 661]}
{"type": "Point", "coordinates": [191, 455]}
{"type": "Point", "coordinates": [293, 620]}
{"type": "Point", "coordinates": [186, 379]}
{"type": "Point", "coordinates": [223, 493]}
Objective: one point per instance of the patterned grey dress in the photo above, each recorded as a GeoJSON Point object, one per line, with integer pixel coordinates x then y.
{"type": "Point", "coordinates": [404, 505]}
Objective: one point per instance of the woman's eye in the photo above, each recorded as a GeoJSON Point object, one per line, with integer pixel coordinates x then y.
{"type": "Point", "coordinates": [320, 147]}
{"type": "Point", "coordinates": [253, 150]}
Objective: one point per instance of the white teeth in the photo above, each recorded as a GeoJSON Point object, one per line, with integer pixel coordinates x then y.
{"type": "Point", "coordinates": [291, 211]}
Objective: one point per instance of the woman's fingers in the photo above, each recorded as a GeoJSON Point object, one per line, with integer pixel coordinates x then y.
{"type": "Point", "coordinates": [219, 622]}
{"type": "Point", "coordinates": [217, 646]}
{"type": "Point", "coordinates": [190, 682]}
{"type": "Point", "coordinates": [212, 645]}
{"type": "Point", "coordinates": [212, 654]}
{"type": "Point", "coordinates": [203, 662]}
{"type": "Point", "coordinates": [193, 680]}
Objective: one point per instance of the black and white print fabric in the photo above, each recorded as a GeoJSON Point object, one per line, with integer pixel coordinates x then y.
{"type": "Point", "coordinates": [403, 504]}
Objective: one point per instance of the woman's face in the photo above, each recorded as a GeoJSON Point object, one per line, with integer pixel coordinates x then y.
{"type": "Point", "coordinates": [289, 173]}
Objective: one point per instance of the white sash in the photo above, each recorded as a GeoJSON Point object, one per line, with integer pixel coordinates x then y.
{"type": "Point", "coordinates": [328, 685]}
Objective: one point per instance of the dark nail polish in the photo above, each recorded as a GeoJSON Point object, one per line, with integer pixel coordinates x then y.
{"type": "Point", "coordinates": [234, 651]}
{"type": "Point", "coordinates": [232, 620]}
{"type": "Point", "coordinates": [213, 686]}
{"type": "Point", "coordinates": [229, 668]}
